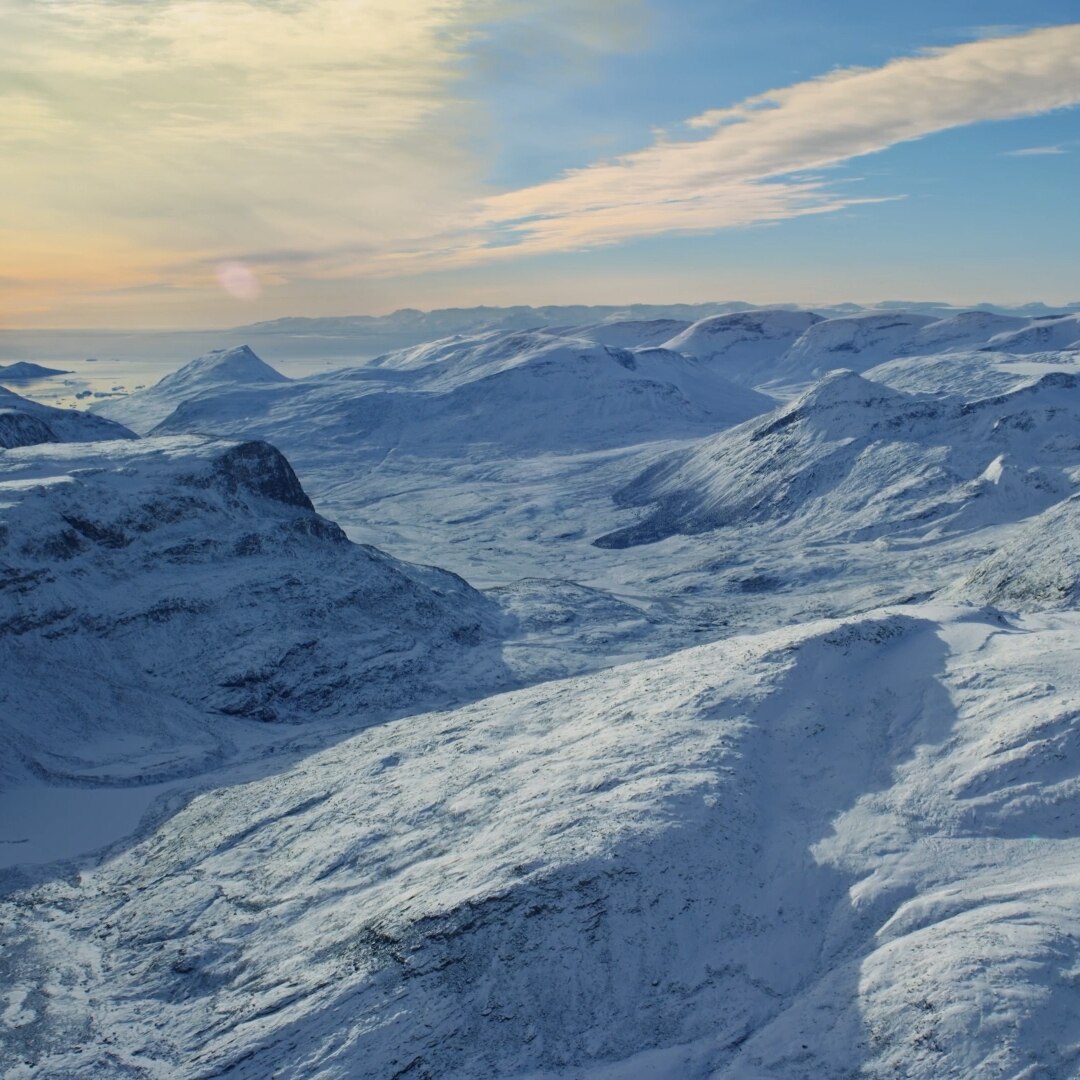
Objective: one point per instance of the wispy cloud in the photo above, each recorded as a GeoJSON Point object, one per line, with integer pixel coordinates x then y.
{"type": "Point", "coordinates": [1036, 151]}
{"type": "Point", "coordinates": [138, 136]}
{"type": "Point", "coordinates": [152, 141]}
{"type": "Point", "coordinates": [749, 162]}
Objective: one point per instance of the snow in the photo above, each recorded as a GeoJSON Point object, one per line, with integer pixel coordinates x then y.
{"type": "Point", "coordinates": [963, 331]}
{"type": "Point", "coordinates": [854, 457]}
{"type": "Point", "coordinates": [794, 855]}
{"type": "Point", "coordinates": [174, 593]}
{"type": "Point", "coordinates": [856, 342]}
{"type": "Point", "coordinates": [744, 346]}
{"type": "Point", "coordinates": [743, 746]}
{"type": "Point", "coordinates": [1040, 335]}
{"type": "Point", "coordinates": [216, 370]}
{"type": "Point", "coordinates": [517, 392]}
{"type": "Point", "coordinates": [1038, 567]}
{"type": "Point", "coordinates": [630, 333]}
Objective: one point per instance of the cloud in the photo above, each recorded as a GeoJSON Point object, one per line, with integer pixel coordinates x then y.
{"type": "Point", "coordinates": [747, 163]}
{"type": "Point", "coordinates": [1036, 151]}
{"type": "Point", "coordinates": [151, 135]}
{"type": "Point", "coordinates": [151, 141]}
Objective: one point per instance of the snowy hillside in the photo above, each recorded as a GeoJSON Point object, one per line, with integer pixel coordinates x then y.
{"type": "Point", "coordinates": [962, 331]}
{"type": "Point", "coordinates": [797, 855]}
{"type": "Point", "coordinates": [629, 333]}
{"type": "Point", "coordinates": [967, 373]}
{"type": "Point", "coordinates": [1037, 568]}
{"type": "Point", "coordinates": [1040, 335]}
{"type": "Point", "coordinates": [854, 457]}
{"type": "Point", "coordinates": [166, 587]}
{"type": "Point", "coordinates": [24, 372]}
{"type": "Point", "coordinates": [24, 423]}
{"type": "Point", "coordinates": [857, 342]}
{"type": "Point", "coordinates": [743, 346]}
{"type": "Point", "coordinates": [216, 371]}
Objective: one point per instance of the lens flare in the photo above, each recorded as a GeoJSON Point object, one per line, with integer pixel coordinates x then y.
{"type": "Point", "coordinates": [238, 280]}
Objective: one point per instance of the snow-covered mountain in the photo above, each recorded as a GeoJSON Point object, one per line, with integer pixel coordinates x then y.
{"type": "Point", "coordinates": [746, 345]}
{"type": "Point", "coordinates": [1036, 568]}
{"type": "Point", "coordinates": [1040, 335]}
{"type": "Point", "coordinates": [165, 589]}
{"type": "Point", "coordinates": [629, 333]}
{"type": "Point", "coordinates": [734, 775]}
{"type": "Point", "coordinates": [26, 372]}
{"type": "Point", "coordinates": [218, 370]}
{"type": "Point", "coordinates": [966, 373]}
{"type": "Point", "coordinates": [855, 342]}
{"type": "Point", "coordinates": [24, 422]}
{"type": "Point", "coordinates": [520, 391]}
{"type": "Point", "coordinates": [962, 331]}
{"type": "Point", "coordinates": [851, 457]}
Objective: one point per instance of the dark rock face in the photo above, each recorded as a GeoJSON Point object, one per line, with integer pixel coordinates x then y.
{"type": "Point", "coordinates": [22, 429]}
{"type": "Point", "coordinates": [258, 468]}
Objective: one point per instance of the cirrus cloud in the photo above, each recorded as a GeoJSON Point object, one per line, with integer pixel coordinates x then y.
{"type": "Point", "coordinates": [749, 166]}
{"type": "Point", "coordinates": [150, 139]}
{"type": "Point", "coordinates": [153, 141]}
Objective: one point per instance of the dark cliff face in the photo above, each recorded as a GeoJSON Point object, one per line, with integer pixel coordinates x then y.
{"type": "Point", "coordinates": [259, 469]}
{"type": "Point", "coordinates": [21, 429]}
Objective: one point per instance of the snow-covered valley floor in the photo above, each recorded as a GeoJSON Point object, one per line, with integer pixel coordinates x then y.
{"type": "Point", "coordinates": [737, 735]}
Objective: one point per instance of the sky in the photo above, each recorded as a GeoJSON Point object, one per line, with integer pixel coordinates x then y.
{"type": "Point", "coordinates": [201, 163]}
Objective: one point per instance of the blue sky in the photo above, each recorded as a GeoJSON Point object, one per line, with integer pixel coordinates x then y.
{"type": "Point", "coordinates": [181, 162]}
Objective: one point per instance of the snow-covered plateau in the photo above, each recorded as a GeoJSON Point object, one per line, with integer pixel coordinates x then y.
{"type": "Point", "coordinates": [657, 693]}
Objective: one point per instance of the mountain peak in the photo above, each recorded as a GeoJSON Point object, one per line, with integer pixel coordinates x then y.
{"type": "Point", "coordinates": [842, 386]}
{"type": "Point", "coordinates": [240, 364]}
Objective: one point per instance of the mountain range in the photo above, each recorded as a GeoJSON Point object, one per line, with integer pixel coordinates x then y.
{"type": "Point", "coordinates": [653, 692]}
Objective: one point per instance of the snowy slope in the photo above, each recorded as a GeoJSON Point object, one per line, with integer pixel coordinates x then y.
{"type": "Point", "coordinates": [629, 333]}
{"type": "Point", "coordinates": [857, 342]}
{"type": "Point", "coordinates": [851, 457]}
{"type": "Point", "coordinates": [1040, 335]}
{"type": "Point", "coordinates": [797, 855]}
{"type": "Point", "coordinates": [743, 346]}
{"type": "Point", "coordinates": [838, 839]}
{"type": "Point", "coordinates": [24, 422]}
{"type": "Point", "coordinates": [1038, 567]}
{"type": "Point", "coordinates": [968, 373]}
{"type": "Point", "coordinates": [166, 587]}
{"type": "Point", "coordinates": [518, 392]}
{"type": "Point", "coordinates": [962, 331]}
